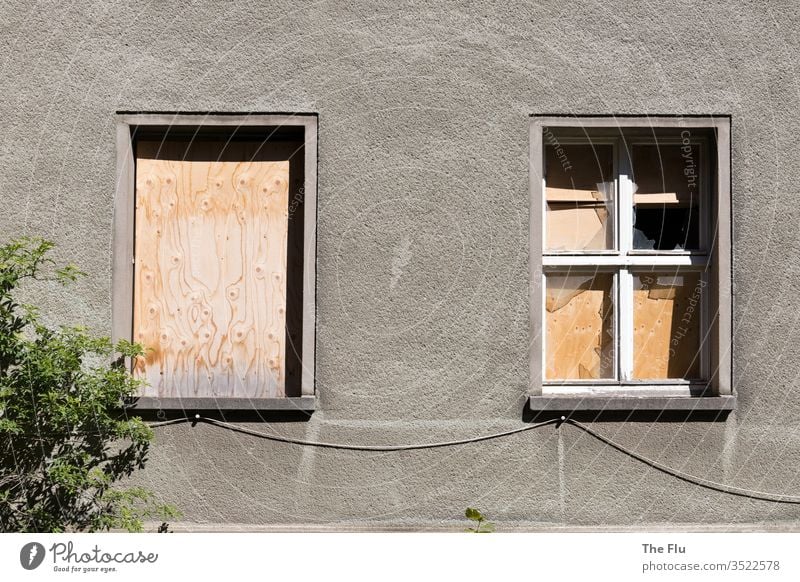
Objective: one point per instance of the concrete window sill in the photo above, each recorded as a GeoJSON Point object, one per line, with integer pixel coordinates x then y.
{"type": "Point", "coordinates": [303, 403]}
{"type": "Point", "coordinates": [632, 403]}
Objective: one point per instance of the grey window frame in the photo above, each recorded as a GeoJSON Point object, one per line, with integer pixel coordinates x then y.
{"type": "Point", "coordinates": [123, 249]}
{"type": "Point", "coordinates": [719, 394]}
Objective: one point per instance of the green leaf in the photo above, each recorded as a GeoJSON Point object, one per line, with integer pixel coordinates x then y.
{"type": "Point", "coordinates": [473, 514]}
{"type": "Point", "coordinates": [68, 274]}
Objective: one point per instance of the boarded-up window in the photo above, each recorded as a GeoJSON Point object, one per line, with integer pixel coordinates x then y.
{"type": "Point", "coordinates": [217, 296]}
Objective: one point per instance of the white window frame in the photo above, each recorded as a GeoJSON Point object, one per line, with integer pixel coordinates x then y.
{"type": "Point", "coordinates": [712, 261]}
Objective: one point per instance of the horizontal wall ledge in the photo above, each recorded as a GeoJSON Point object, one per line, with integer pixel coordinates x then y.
{"type": "Point", "coordinates": [632, 403]}
{"type": "Point", "coordinates": [302, 403]}
{"type": "Point", "coordinates": [446, 526]}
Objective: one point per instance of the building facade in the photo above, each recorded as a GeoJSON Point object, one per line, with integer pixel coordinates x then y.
{"type": "Point", "coordinates": [416, 285]}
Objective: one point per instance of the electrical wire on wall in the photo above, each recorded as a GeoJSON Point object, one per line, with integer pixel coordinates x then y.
{"type": "Point", "coordinates": [686, 477]}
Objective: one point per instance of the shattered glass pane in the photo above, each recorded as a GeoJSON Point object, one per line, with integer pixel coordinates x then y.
{"type": "Point", "coordinates": [666, 196]}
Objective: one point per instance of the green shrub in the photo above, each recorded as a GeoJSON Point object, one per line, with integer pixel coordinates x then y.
{"type": "Point", "coordinates": [64, 438]}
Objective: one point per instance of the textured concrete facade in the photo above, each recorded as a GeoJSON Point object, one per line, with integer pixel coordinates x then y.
{"type": "Point", "coordinates": [423, 201]}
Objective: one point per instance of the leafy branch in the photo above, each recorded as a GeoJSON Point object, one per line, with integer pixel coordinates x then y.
{"type": "Point", "coordinates": [65, 440]}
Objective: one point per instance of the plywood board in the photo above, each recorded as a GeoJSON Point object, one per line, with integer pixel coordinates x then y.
{"type": "Point", "coordinates": [666, 321]}
{"type": "Point", "coordinates": [578, 227]}
{"type": "Point", "coordinates": [573, 195]}
{"type": "Point", "coordinates": [210, 277]}
{"type": "Point", "coordinates": [657, 198]}
{"type": "Point", "coordinates": [579, 327]}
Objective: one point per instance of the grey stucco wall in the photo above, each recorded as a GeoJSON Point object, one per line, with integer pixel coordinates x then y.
{"type": "Point", "coordinates": [423, 237]}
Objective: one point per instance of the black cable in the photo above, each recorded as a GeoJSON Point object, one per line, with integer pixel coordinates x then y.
{"type": "Point", "coordinates": [699, 481]}
{"type": "Point", "coordinates": [385, 448]}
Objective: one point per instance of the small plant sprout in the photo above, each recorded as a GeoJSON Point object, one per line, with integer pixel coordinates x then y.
{"type": "Point", "coordinates": [481, 525]}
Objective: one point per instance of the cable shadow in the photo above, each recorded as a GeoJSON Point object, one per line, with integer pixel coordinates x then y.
{"type": "Point", "coordinates": [594, 416]}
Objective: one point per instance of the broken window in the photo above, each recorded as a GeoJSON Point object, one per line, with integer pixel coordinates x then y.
{"type": "Point", "coordinates": [626, 261]}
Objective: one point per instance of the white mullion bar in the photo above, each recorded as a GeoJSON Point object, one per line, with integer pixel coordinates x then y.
{"type": "Point", "coordinates": [625, 333]}
{"type": "Point", "coordinates": [625, 222]}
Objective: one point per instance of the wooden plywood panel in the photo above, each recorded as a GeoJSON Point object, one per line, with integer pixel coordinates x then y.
{"type": "Point", "coordinates": [666, 320]}
{"type": "Point", "coordinates": [573, 195]}
{"type": "Point", "coordinates": [578, 227]}
{"type": "Point", "coordinates": [232, 147]}
{"type": "Point", "coordinates": [579, 327]}
{"type": "Point", "coordinates": [210, 277]}
{"type": "Point", "coordinates": [670, 198]}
